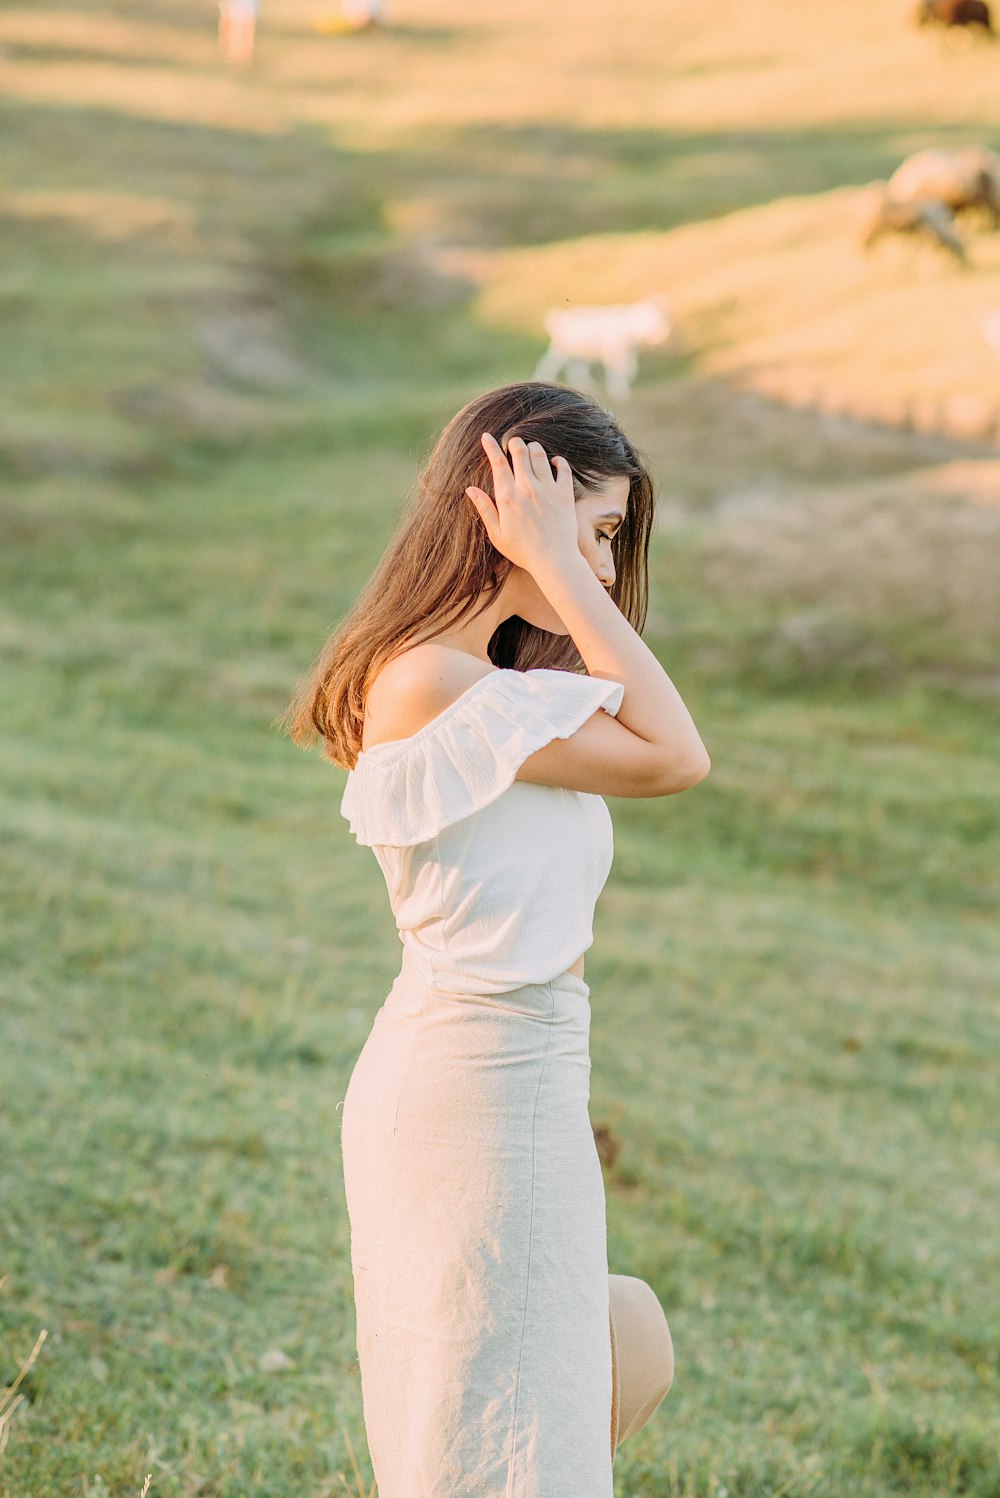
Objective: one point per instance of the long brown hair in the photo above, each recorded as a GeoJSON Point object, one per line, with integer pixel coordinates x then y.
{"type": "Point", "coordinates": [439, 562]}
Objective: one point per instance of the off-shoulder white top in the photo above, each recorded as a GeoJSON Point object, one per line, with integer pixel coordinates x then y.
{"type": "Point", "coordinates": [492, 881]}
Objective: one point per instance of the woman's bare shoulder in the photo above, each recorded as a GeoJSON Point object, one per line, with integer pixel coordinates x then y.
{"type": "Point", "coordinates": [415, 686]}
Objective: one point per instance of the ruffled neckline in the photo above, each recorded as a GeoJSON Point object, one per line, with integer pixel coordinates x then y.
{"type": "Point", "coordinates": [446, 712]}
{"type": "Point", "coordinates": [405, 791]}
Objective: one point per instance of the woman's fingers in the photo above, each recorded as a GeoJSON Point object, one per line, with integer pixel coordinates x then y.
{"type": "Point", "coordinates": [520, 459]}
{"type": "Point", "coordinates": [485, 506]}
{"type": "Point", "coordinates": [564, 473]}
{"type": "Point", "coordinates": [529, 460]}
{"type": "Point", "coordinates": [520, 518]}
{"type": "Point", "coordinates": [498, 462]}
{"type": "Point", "coordinates": [539, 461]}
{"type": "Point", "coordinates": [524, 464]}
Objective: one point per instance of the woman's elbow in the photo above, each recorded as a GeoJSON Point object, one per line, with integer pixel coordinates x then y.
{"type": "Point", "coordinates": [681, 775]}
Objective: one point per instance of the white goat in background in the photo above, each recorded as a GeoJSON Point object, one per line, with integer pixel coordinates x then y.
{"type": "Point", "coordinates": [583, 335]}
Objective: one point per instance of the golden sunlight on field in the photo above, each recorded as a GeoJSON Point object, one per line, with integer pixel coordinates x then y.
{"type": "Point", "coordinates": [784, 300]}
{"type": "Point", "coordinates": [729, 66]}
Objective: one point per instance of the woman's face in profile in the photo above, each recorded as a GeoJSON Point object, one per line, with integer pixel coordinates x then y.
{"type": "Point", "coordinates": [599, 512]}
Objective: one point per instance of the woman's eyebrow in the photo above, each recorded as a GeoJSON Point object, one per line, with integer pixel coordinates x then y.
{"type": "Point", "coordinates": [611, 515]}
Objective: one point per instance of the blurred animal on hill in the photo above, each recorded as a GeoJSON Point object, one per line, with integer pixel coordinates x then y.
{"type": "Point", "coordinates": [955, 13]}
{"type": "Point", "coordinates": [961, 177]}
{"type": "Point", "coordinates": [933, 221]}
{"type": "Point", "coordinates": [929, 188]}
{"type": "Point", "coordinates": [609, 335]}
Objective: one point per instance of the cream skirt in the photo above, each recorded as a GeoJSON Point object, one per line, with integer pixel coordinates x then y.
{"type": "Point", "coordinates": [479, 1246]}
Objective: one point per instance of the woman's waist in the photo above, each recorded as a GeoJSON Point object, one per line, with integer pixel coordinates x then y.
{"type": "Point", "coordinates": [427, 974]}
{"type": "Point", "coordinates": [467, 974]}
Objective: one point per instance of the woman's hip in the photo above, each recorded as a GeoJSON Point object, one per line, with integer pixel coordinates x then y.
{"type": "Point", "coordinates": [485, 1099]}
{"type": "Point", "coordinates": [438, 1067]}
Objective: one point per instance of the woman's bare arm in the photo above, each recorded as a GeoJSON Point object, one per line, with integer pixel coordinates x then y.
{"type": "Point", "coordinates": [651, 706]}
{"type": "Point", "coordinates": [531, 519]}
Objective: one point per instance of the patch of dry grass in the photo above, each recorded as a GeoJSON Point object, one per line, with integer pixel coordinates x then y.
{"type": "Point", "coordinates": [783, 300]}
{"type": "Point", "coordinates": [644, 63]}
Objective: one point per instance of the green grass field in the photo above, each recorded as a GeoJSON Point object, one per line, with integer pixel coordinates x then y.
{"type": "Point", "coordinates": [237, 308]}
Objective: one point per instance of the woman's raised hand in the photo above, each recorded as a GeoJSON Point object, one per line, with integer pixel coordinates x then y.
{"type": "Point", "coordinates": [533, 517]}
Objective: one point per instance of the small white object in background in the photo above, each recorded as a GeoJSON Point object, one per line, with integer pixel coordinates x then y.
{"type": "Point", "coordinates": [991, 330]}
{"type": "Point", "coordinates": [610, 335]}
{"type": "Point", "coordinates": [274, 1361]}
{"type": "Point", "coordinates": [364, 12]}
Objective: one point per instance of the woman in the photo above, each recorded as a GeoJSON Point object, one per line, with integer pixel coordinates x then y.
{"type": "Point", "coordinates": [498, 1357]}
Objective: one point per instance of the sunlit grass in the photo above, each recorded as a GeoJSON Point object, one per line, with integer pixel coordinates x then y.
{"type": "Point", "coordinates": [238, 308]}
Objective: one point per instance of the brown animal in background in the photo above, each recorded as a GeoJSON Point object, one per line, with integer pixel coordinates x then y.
{"type": "Point", "coordinates": [955, 13]}
{"type": "Point", "coordinates": [960, 178]}
{"type": "Point", "coordinates": [933, 220]}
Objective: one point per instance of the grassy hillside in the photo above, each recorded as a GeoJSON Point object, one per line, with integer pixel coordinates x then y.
{"type": "Point", "coordinates": [784, 300]}
{"type": "Point", "coordinates": [237, 309]}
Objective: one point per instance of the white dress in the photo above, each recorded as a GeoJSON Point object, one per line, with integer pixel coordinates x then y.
{"type": "Point", "coordinates": [473, 1184]}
